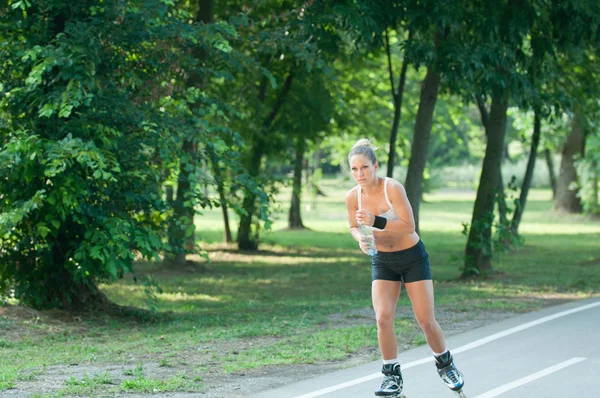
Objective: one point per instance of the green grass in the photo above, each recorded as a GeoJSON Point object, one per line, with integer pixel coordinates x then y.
{"type": "Point", "coordinates": [301, 299]}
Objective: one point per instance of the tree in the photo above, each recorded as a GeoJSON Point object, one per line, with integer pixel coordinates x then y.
{"type": "Point", "coordinates": [397, 92]}
{"type": "Point", "coordinates": [580, 82]}
{"type": "Point", "coordinates": [535, 141]}
{"type": "Point", "coordinates": [566, 197]}
{"type": "Point", "coordinates": [82, 190]}
{"type": "Point", "coordinates": [431, 46]}
{"type": "Point", "coordinates": [284, 48]}
{"type": "Point", "coordinates": [498, 69]}
{"type": "Point", "coordinates": [304, 118]}
{"type": "Point", "coordinates": [527, 41]}
{"type": "Point", "coordinates": [181, 225]}
{"type": "Point", "coordinates": [478, 251]}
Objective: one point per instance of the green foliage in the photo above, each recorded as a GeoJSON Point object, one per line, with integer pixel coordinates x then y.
{"type": "Point", "coordinates": [588, 172]}
{"type": "Point", "coordinates": [282, 59]}
{"type": "Point", "coordinates": [90, 110]}
{"type": "Point", "coordinates": [503, 238]}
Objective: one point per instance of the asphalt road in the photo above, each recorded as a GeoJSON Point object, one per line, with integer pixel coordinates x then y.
{"type": "Point", "coordinates": [551, 353]}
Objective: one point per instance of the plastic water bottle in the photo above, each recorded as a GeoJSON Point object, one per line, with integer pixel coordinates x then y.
{"type": "Point", "coordinates": [366, 234]}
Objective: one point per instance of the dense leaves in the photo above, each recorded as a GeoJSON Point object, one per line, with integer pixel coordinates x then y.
{"type": "Point", "coordinates": [91, 106]}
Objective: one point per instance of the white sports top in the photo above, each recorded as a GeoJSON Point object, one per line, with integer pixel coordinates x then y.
{"type": "Point", "coordinates": [391, 213]}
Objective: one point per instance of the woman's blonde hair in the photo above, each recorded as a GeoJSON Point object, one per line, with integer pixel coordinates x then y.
{"type": "Point", "coordinates": [363, 147]}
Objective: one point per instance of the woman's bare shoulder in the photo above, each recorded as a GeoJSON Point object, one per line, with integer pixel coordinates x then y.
{"type": "Point", "coordinates": [351, 195]}
{"type": "Point", "coordinates": [396, 191]}
{"type": "Point", "coordinates": [395, 184]}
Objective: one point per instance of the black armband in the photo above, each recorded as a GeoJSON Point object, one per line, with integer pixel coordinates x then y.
{"type": "Point", "coordinates": [380, 222]}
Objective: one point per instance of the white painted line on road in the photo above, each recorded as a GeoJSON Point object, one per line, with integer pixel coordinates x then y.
{"type": "Point", "coordinates": [524, 326]}
{"type": "Point", "coordinates": [457, 350]}
{"type": "Point", "coordinates": [360, 380]}
{"type": "Point", "coordinates": [534, 376]}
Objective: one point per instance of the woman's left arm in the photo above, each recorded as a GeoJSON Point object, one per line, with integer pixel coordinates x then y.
{"type": "Point", "coordinates": [406, 220]}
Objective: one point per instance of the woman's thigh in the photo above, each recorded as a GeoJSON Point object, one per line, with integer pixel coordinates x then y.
{"type": "Point", "coordinates": [422, 299]}
{"type": "Point", "coordinates": [385, 295]}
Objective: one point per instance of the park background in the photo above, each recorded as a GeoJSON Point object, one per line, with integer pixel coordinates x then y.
{"type": "Point", "coordinates": [173, 175]}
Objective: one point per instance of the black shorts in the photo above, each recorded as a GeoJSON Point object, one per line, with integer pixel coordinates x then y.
{"type": "Point", "coordinates": [409, 265]}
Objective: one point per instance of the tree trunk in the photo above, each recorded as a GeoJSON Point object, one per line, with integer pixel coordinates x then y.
{"type": "Point", "coordinates": [169, 192]}
{"type": "Point", "coordinates": [535, 141]}
{"type": "Point", "coordinates": [506, 155]}
{"type": "Point", "coordinates": [595, 200]}
{"type": "Point", "coordinates": [566, 198]}
{"type": "Point", "coordinates": [295, 218]}
{"type": "Point", "coordinates": [313, 187]}
{"type": "Point", "coordinates": [552, 176]}
{"type": "Point", "coordinates": [478, 250]}
{"type": "Point", "coordinates": [485, 117]}
{"type": "Point", "coordinates": [245, 239]}
{"type": "Point", "coordinates": [420, 144]}
{"type": "Point", "coordinates": [594, 203]}
{"type": "Point", "coordinates": [397, 95]}
{"type": "Point", "coordinates": [182, 221]}
{"type": "Point", "coordinates": [60, 287]}
{"type": "Point", "coordinates": [227, 238]}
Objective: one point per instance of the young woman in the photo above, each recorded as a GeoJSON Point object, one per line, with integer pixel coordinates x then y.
{"type": "Point", "coordinates": [382, 204]}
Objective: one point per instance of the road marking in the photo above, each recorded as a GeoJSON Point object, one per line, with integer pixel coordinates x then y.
{"type": "Point", "coordinates": [534, 376]}
{"type": "Point", "coordinates": [457, 350]}
{"type": "Point", "coordinates": [524, 326]}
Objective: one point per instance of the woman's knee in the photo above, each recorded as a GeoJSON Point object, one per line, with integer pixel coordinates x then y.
{"type": "Point", "coordinates": [427, 324]}
{"type": "Point", "coordinates": [385, 319]}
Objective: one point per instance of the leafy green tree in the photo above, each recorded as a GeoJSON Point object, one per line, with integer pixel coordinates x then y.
{"type": "Point", "coordinates": [580, 83]}
{"type": "Point", "coordinates": [304, 118]}
{"type": "Point", "coordinates": [92, 99]}
{"type": "Point", "coordinates": [497, 41]}
{"type": "Point", "coordinates": [523, 34]}
{"type": "Point", "coordinates": [81, 190]}
{"type": "Point", "coordinates": [280, 37]}
{"type": "Point", "coordinates": [181, 223]}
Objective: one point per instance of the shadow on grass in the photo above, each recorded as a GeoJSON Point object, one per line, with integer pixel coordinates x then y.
{"type": "Point", "coordinates": [320, 277]}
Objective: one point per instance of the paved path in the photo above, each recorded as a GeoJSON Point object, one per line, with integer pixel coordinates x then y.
{"type": "Point", "coordinates": [551, 353]}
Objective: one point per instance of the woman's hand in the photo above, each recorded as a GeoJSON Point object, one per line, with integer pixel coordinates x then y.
{"type": "Point", "coordinates": [363, 243]}
{"type": "Point", "coordinates": [365, 218]}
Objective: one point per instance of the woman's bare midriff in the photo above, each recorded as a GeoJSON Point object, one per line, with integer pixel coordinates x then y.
{"type": "Point", "coordinates": [394, 242]}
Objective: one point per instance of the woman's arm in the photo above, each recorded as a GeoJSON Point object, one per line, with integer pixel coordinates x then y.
{"type": "Point", "coordinates": [406, 220]}
{"type": "Point", "coordinates": [352, 207]}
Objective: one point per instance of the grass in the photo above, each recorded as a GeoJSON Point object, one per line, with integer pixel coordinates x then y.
{"type": "Point", "coordinates": [303, 298]}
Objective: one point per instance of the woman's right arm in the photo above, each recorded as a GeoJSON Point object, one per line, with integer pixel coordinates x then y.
{"type": "Point", "coordinates": [352, 207]}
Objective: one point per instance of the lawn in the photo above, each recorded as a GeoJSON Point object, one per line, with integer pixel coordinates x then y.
{"type": "Point", "coordinates": [304, 297]}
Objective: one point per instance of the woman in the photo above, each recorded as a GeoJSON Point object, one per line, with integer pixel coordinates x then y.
{"type": "Point", "coordinates": [400, 258]}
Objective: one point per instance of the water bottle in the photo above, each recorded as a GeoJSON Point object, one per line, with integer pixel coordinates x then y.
{"type": "Point", "coordinates": [366, 234]}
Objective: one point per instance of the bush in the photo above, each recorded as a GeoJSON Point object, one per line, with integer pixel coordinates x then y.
{"type": "Point", "coordinates": [83, 146]}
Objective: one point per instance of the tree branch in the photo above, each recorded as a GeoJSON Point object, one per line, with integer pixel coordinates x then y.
{"type": "Point", "coordinates": [389, 59]}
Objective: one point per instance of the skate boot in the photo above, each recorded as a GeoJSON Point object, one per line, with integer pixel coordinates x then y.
{"type": "Point", "coordinates": [449, 373]}
{"type": "Point", "coordinates": [392, 383]}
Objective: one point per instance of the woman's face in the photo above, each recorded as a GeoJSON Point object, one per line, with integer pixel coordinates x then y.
{"type": "Point", "coordinates": [363, 170]}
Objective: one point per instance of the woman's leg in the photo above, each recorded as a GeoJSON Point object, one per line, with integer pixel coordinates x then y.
{"type": "Point", "coordinates": [385, 296]}
{"type": "Point", "coordinates": [421, 297]}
